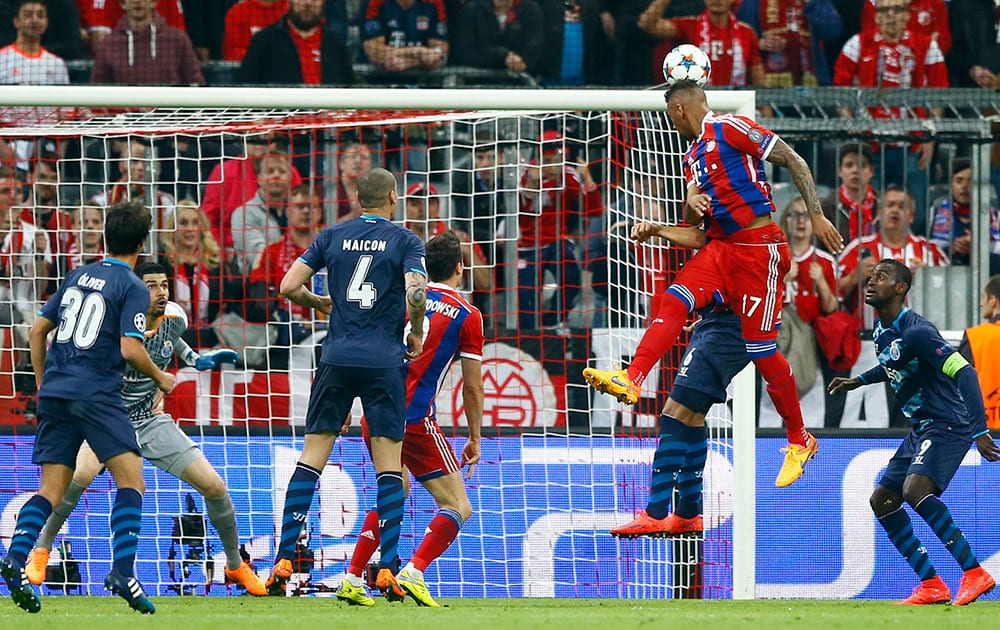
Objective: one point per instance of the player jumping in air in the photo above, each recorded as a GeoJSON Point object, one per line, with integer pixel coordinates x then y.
{"type": "Point", "coordinates": [745, 261]}
{"type": "Point", "coordinates": [714, 356]}
{"type": "Point", "coordinates": [939, 392]}
{"type": "Point", "coordinates": [161, 440]}
{"type": "Point", "coordinates": [376, 277]}
{"type": "Point", "coordinates": [99, 315]}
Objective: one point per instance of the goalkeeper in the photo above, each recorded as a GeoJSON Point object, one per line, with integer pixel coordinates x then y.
{"type": "Point", "coordinates": [161, 440]}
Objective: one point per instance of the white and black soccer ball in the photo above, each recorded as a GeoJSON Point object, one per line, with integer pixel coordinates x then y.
{"type": "Point", "coordinates": [687, 62]}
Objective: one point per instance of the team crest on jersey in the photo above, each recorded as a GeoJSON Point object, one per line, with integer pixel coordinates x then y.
{"type": "Point", "coordinates": [894, 350]}
{"type": "Point", "coordinates": [140, 322]}
{"type": "Point", "coordinates": [755, 136]}
{"type": "Point", "coordinates": [710, 146]}
{"type": "Point", "coordinates": [167, 349]}
{"type": "Point", "coordinates": [423, 23]}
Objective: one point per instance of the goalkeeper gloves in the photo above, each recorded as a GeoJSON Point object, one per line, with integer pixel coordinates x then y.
{"type": "Point", "coordinates": [215, 358]}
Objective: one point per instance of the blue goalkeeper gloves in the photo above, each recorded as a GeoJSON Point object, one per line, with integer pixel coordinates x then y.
{"type": "Point", "coordinates": [215, 358]}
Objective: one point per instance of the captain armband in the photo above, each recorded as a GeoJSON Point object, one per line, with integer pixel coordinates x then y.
{"type": "Point", "coordinates": [953, 364]}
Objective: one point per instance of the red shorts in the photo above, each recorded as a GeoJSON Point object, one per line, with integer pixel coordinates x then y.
{"type": "Point", "coordinates": [747, 270]}
{"type": "Point", "coordinates": [426, 451]}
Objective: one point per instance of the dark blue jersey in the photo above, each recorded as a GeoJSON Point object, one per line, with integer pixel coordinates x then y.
{"type": "Point", "coordinates": [365, 259]}
{"type": "Point", "coordinates": [400, 27]}
{"type": "Point", "coordinates": [95, 306]}
{"type": "Point", "coordinates": [921, 367]}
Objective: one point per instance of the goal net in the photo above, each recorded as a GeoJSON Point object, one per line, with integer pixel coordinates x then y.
{"type": "Point", "coordinates": [542, 192]}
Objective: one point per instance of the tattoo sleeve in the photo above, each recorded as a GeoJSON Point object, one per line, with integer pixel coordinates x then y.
{"type": "Point", "coordinates": [784, 155]}
{"type": "Point", "coordinates": [416, 300]}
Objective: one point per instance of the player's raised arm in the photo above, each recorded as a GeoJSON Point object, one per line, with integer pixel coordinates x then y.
{"type": "Point", "coordinates": [416, 302]}
{"type": "Point", "coordinates": [293, 287]}
{"type": "Point", "coordinates": [784, 155]}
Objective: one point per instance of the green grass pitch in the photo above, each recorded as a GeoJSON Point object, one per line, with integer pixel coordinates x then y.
{"type": "Point", "coordinates": [244, 613]}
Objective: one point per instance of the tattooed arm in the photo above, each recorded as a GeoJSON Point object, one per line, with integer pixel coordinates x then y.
{"type": "Point", "coordinates": [784, 155]}
{"type": "Point", "coordinates": [416, 302]}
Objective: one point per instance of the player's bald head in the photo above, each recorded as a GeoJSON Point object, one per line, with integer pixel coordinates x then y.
{"type": "Point", "coordinates": [374, 187]}
{"type": "Point", "coordinates": [686, 93]}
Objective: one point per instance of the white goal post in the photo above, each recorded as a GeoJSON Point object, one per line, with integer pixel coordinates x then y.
{"type": "Point", "coordinates": [218, 111]}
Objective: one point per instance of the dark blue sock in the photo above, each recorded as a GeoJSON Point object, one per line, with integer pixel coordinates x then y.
{"type": "Point", "coordinates": [126, 518]}
{"type": "Point", "coordinates": [30, 520]}
{"type": "Point", "coordinates": [900, 530]}
{"type": "Point", "coordinates": [690, 481]}
{"type": "Point", "coordinates": [298, 498]}
{"type": "Point", "coordinates": [666, 462]}
{"type": "Point", "coordinates": [938, 516]}
{"type": "Point", "coordinates": [390, 516]}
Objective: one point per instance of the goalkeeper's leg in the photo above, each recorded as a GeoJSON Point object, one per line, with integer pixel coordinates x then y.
{"type": "Point", "coordinates": [87, 468]}
{"type": "Point", "coordinates": [219, 506]}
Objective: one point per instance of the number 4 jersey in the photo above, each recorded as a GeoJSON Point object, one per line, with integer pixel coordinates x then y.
{"type": "Point", "coordinates": [95, 307]}
{"type": "Point", "coordinates": [365, 259]}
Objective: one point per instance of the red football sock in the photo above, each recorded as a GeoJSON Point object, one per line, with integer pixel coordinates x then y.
{"type": "Point", "coordinates": [784, 394]}
{"type": "Point", "coordinates": [440, 534]}
{"type": "Point", "coordinates": [366, 545]}
{"type": "Point", "coordinates": [659, 337]}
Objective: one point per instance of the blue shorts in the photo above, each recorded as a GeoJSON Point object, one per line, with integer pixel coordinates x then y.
{"type": "Point", "coordinates": [382, 392]}
{"type": "Point", "coordinates": [714, 356]}
{"type": "Point", "coordinates": [935, 453]}
{"type": "Point", "coordinates": [63, 425]}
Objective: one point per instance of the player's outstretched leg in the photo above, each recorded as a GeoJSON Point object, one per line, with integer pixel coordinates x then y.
{"type": "Point", "coordinates": [976, 581]}
{"type": "Point", "coordinates": [29, 522]}
{"type": "Point", "coordinates": [126, 518]}
{"type": "Point", "coordinates": [888, 507]}
{"type": "Point", "coordinates": [298, 498]}
{"type": "Point", "coordinates": [613, 382]}
{"type": "Point", "coordinates": [219, 507]}
{"type": "Point", "coordinates": [802, 446]}
{"type": "Point", "coordinates": [441, 532]}
{"type": "Point", "coordinates": [352, 587]}
{"type": "Point", "coordinates": [391, 496]}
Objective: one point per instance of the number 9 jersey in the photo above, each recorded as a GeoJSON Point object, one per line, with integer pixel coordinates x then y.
{"type": "Point", "coordinates": [96, 305]}
{"type": "Point", "coordinates": [366, 259]}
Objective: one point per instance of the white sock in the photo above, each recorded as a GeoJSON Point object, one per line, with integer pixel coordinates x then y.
{"type": "Point", "coordinates": [412, 570]}
{"type": "Point", "coordinates": [355, 580]}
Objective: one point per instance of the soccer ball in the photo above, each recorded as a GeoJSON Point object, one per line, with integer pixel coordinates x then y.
{"type": "Point", "coordinates": [687, 63]}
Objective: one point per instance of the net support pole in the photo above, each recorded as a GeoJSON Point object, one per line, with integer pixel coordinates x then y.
{"type": "Point", "coordinates": [744, 484]}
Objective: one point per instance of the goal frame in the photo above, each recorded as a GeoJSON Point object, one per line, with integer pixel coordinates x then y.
{"type": "Point", "coordinates": [215, 98]}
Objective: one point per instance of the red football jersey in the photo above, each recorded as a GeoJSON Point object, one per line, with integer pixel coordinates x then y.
{"type": "Point", "coordinates": [243, 21]}
{"type": "Point", "coordinates": [733, 48]}
{"type": "Point", "coordinates": [926, 16]}
{"type": "Point", "coordinates": [272, 265]}
{"type": "Point", "coordinates": [105, 14]}
{"type": "Point", "coordinates": [541, 226]}
{"type": "Point", "coordinates": [802, 289]}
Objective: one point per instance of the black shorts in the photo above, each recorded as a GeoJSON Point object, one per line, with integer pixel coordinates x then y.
{"type": "Point", "coordinates": [382, 392]}
{"type": "Point", "coordinates": [63, 425]}
{"type": "Point", "coordinates": [935, 453]}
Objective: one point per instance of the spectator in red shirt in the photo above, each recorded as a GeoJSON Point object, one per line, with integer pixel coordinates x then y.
{"type": "Point", "coordinates": [233, 182]}
{"type": "Point", "coordinates": [894, 57]}
{"type": "Point", "coordinates": [297, 50]}
{"type": "Point", "coordinates": [730, 44]}
{"type": "Point", "coordinates": [244, 20]}
{"type": "Point", "coordinates": [926, 16]}
{"type": "Point", "coordinates": [144, 50]}
{"type": "Point", "coordinates": [555, 199]}
{"type": "Point", "coordinates": [41, 209]}
{"type": "Point", "coordinates": [853, 206]}
{"type": "Point", "coordinates": [99, 17]}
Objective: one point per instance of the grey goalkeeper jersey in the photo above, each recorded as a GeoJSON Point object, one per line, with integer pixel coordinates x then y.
{"type": "Point", "coordinates": [142, 398]}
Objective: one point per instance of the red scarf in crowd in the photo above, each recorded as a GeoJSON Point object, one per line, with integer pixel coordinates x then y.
{"type": "Point", "coordinates": [786, 19]}
{"type": "Point", "coordinates": [866, 208]}
{"type": "Point", "coordinates": [191, 291]}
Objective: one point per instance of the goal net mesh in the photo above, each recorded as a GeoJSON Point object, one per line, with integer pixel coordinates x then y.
{"type": "Point", "coordinates": [545, 201]}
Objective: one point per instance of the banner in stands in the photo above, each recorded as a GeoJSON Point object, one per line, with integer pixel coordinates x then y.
{"type": "Point", "coordinates": [542, 508]}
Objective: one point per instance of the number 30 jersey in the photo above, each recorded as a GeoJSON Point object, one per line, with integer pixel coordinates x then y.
{"type": "Point", "coordinates": [365, 259]}
{"type": "Point", "coordinates": [95, 307]}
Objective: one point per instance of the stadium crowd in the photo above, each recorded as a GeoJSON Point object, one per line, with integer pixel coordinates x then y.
{"type": "Point", "coordinates": [230, 219]}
